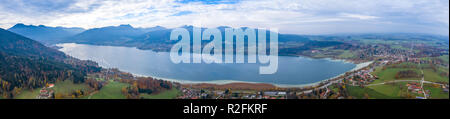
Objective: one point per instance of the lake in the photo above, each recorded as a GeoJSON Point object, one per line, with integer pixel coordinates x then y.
{"type": "Point", "coordinates": [291, 70]}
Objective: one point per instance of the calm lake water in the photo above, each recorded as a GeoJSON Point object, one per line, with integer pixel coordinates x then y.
{"type": "Point", "coordinates": [291, 70]}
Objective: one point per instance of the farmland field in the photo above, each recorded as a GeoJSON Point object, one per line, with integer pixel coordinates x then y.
{"type": "Point", "coordinates": [169, 94]}
{"type": "Point", "coordinates": [444, 58]}
{"type": "Point", "coordinates": [67, 87]}
{"type": "Point", "coordinates": [111, 91]}
{"type": "Point", "coordinates": [398, 90]}
{"type": "Point", "coordinates": [437, 93]}
{"type": "Point", "coordinates": [359, 93]}
{"type": "Point", "coordinates": [28, 94]}
{"type": "Point", "coordinates": [432, 76]}
{"type": "Point", "coordinates": [389, 74]}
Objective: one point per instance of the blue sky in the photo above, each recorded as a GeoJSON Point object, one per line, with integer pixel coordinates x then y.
{"type": "Point", "coordinates": [289, 16]}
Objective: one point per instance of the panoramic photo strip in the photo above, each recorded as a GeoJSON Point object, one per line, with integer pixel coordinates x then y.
{"type": "Point", "coordinates": [255, 51]}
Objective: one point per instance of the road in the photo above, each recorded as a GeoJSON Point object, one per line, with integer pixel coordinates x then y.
{"type": "Point", "coordinates": [395, 81]}
{"type": "Point", "coordinates": [423, 80]}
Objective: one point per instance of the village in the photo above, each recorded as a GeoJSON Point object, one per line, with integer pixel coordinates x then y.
{"type": "Point", "coordinates": [360, 78]}
{"type": "Point", "coordinates": [335, 88]}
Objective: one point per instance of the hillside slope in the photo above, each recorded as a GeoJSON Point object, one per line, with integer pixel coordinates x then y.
{"type": "Point", "coordinates": [27, 64]}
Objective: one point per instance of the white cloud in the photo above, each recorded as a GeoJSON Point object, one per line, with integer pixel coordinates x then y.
{"type": "Point", "coordinates": [290, 16]}
{"type": "Point", "coordinates": [358, 16]}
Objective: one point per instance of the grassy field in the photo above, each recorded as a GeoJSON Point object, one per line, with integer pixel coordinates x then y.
{"type": "Point", "coordinates": [377, 41]}
{"type": "Point", "coordinates": [436, 93]}
{"type": "Point", "coordinates": [444, 58]}
{"type": "Point", "coordinates": [432, 76]}
{"type": "Point", "coordinates": [399, 47]}
{"type": "Point", "coordinates": [389, 74]}
{"type": "Point", "coordinates": [110, 91]}
{"type": "Point", "coordinates": [64, 87]}
{"type": "Point", "coordinates": [67, 87]}
{"type": "Point", "coordinates": [359, 93]}
{"type": "Point", "coordinates": [444, 69]}
{"type": "Point", "coordinates": [397, 90]}
{"type": "Point", "coordinates": [327, 52]}
{"type": "Point", "coordinates": [99, 79]}
{"type": "Point", "coordinates": [113, 90]}
{"type": "Point", "coordinates": [28, 94]}
{"type": "Point", "coordinates": [333, 88]}
{"type": "Point", "coordinates": [170, 94]}
{"type": "Point", "coordinates": [346, 54]}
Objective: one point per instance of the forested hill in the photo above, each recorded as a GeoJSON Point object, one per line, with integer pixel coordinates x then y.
{"type": "Point", "coordinates": [15, 44]}
{"type": "Point", "coordinates": [27, 64]}
{"type": "Point", "coordinates": [45, 34]}
{"type": "Point", "coordinates": [111, 35]}
{"type": "Point", "coordinates": [153, 38]}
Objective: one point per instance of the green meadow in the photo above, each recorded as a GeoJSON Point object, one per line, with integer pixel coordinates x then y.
{"type": "Point", "coordinates": [67, 87]}
{"type": "Point", "coordinates": [399, 89]}
{"type": "Point", "coordinates": [28, 94]}
{"type": "Point", "coordinates": [360, 93]}
{"type": "Point", "coordinates": [388, 74]}
{"type": "Point", "coordinates": [112, 90]}
{"type": "Point", "coordinates": [170, 94]}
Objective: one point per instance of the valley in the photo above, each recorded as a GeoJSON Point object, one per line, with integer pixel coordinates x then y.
{"type": "Point", "coordinates": [402, 66]}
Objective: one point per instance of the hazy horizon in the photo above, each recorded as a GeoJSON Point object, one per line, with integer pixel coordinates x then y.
{"type": "Point", "coordinates": [330, 34]}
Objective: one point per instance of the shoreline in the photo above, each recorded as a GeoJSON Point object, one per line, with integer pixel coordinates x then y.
{"type": "Point", "coordinates": [227, 82]}
{"type": "Point", "coordinates": [249, 83]}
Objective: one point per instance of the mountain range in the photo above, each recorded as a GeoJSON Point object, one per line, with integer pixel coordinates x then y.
{"type": "Point", "coordinates": [45, 34]}
{"type": "Point", "coordinates": [122, 35]}
{"type": "Point", "coordinates": [111, 35]}
{"type": "Point", "coordinates": [157, 38]}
